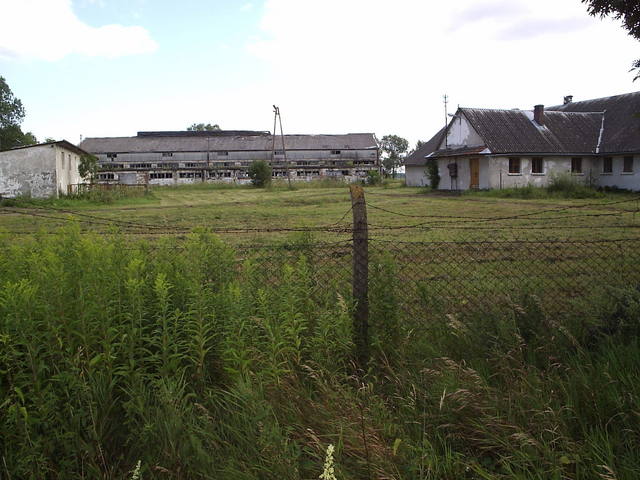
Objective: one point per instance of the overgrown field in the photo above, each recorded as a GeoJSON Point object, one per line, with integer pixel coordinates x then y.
{"type": "Point", "coordinates": [230, 355]}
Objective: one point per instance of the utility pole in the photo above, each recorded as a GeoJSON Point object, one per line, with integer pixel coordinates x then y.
{"type": "Point", "coordinates": [278, 117]}
{"type": "Point", "coordinates": [446, 119]}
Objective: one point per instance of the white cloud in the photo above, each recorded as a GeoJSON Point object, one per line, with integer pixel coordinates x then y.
{"type": "Point", "coordinates": [246, 7]}
{"type": "Point", "coordinates": [375, 65]}
{"type": "Point", "coordinates": [50, 30]}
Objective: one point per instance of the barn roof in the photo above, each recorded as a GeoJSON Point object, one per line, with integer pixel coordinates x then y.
{"type": "Point", "coordinates": [515, 131]}
{"type": "Point", "coordinates": [621, 132]}
{"type": "Point", "coordinates": [202, 143]}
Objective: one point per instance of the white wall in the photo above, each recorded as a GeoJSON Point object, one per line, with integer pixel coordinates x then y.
{"type": "Point", "coordinates": [28, 171]}
{"type": "Point", "coordinates": [552, 166]}
{"type": "Point", "coordinates": [618, 178]}
{"type": "Point", "coordinates": [67, 163]}
{"type": "Point", "coordinates": [461, 134]}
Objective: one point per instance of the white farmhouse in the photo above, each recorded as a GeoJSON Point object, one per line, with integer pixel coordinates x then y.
{"type": "Point", "coordinates": [595, 141]}
{"type": "Point", "coordinates": [39, 171]}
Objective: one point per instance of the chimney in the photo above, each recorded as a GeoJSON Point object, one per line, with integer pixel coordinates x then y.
{"type": "Point", "coordinates": [568, 99]}
{"type": "Point", "coordinates": [538, 114]}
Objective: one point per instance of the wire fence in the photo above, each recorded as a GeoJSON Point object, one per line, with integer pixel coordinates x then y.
{"type": "Point", "coordinates": [427, 278]}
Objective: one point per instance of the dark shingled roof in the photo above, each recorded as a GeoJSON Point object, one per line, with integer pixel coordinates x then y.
{"type": "Point", "coordinates": [417, 158]}
{"type": "Point", "coordinates": [515, 131]}
{"type": "Point", "coordinates": [201, 143]}
{"type": "Point", "coordinates": [621, 120]}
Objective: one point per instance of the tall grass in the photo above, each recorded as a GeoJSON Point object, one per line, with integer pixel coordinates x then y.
{"type": "Point", "coordinates": [200, 365]}
{"type": "Point", "coordinates": [559, 186]}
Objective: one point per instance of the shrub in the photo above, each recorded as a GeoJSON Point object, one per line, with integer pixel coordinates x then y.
{"type": "Point", "coordinates": [373, 178]}
{"type": "Point", "coordinates": [260, 173]}
{"type": "Point", "coordinates": [433, 174]}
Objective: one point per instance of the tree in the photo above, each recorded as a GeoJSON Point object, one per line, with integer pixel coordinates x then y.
{"type": "Point", "coordinates": [201, 127]}
{"type": "Point", "coordinates": [88, 167]}
{"type": "Point", "coordinates": [260, 173]}
{"type": "Point", "coordinates": [11, 116]}
{"type": "Point", "coordinates": [393, 147]}
{"type": "Point", "coordinates": [626, 10]}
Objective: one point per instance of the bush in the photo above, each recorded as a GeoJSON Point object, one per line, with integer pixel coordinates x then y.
{"type": "Point", "coordinates": [260, 173]}
{"type": "Point", "coordinates": [373, 178]}
{"type": "Point", "coordinates": [433, 174]}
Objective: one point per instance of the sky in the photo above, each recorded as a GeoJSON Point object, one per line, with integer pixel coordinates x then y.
{"type": "Point", "coordinates": [101, 68]}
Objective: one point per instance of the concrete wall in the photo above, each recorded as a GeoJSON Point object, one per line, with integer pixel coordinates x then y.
{"type": "Point", "coordinates": [461, 134]}
{"type": "Point", "coordinates": [67, 163]}
{"type": "Point", "coordinates": [416, 176]}
{"type": "Point", "coordinates": [28, 171]}
{"type": "Point", "coordinates": [499, 176]}
{"type": "Point", "coordinates": [618, 178]}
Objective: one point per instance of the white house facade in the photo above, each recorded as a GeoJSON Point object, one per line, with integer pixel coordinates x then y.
{"type": "Point", "coordinates": [594, 141]}
{"type": "Point", "coordinates": [39, 171]}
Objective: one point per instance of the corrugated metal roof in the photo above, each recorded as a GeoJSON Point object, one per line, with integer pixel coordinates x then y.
{"type": "Point", "coordinates": [515, 131]}
{"type": "Point", "coordinates": [198, 143]}
{"type": "Point", "coordinates": [621, 132]}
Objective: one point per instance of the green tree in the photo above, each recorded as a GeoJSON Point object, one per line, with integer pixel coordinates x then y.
{"type": "Point", "coordinates": [11, 116]}
{"type": "Point", "coordinates": [260, 173]}
{"type": "Point", "coordinates": [626, 10]}
{"type": "Point", "coordinates": [393, 148]}
{"type": "Point", "coordinates": [202, 127]}
{"type": "Point", "coordinates": [88, 167]}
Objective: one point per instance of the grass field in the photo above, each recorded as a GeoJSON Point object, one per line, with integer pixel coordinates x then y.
{"type": "Point", "coordinates": [125, 341]}
{"type": "Point", "coordinates": [435, 216]}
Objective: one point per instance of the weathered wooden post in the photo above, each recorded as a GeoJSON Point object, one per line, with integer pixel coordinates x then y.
{"type": "Point", "coordinates": [360, 280]}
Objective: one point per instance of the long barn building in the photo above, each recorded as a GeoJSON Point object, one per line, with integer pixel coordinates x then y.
{"type": "Point", "coordinates": [165, 158]}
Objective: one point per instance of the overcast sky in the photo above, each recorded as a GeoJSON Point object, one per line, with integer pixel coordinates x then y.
{"type": "Point", "coordinates": [113, 67]}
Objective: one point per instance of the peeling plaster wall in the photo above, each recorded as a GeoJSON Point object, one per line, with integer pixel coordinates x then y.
{"type": "Point", "coordinates": [618, 178]}
{"type": "Point", "coordinates": [552, 166]}
{"type": "Point", "coordinates": [461, 134]}
{"type": "Point", "coordinates": [28, 171]}
{"type": "Point", "coordinates": [67, 163]}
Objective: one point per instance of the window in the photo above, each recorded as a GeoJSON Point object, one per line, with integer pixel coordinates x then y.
{"type": "Point", "coordinates": [514, 165]}
{"type": "Point", "coordinates": [345, 173]}
{"type": "Point", "coordinates": [627, 165]}
{"type": "Point", "coordinates": [62, 160]}
{"type": "Point", "coordinates": [159, 175]}
{"type": "Point", "coordinates": [221, 153]}
{"type": "Point", "coordinates": [69, 164]}
{"type": "Point", "coordinates": [170, 165]}
{"type": "Point", "coordinates": [303, 163]}
{"type": "Point", "coordinates": [106, 176]}
{"type": "Point", "coordinates": [278, 152]}
{"type": "Point", "coordinates": [335, 152]}
{"type": "Point", "coordinates": [537, 165]}
{"type": "Point", "coordinates": [607, 165]}
{"type": "Point", "coordinates": [193, 164]}
{"type": "Point", "coordinates": [576, 165]}
{"type": "Point", "coordinates": [112, 155]}
{"type": "Point", "coordinates": [190, 174]}
{"type": "Point", "coordinates": [167, 154]}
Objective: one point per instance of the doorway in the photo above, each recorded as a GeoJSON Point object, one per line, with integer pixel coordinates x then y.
{"type": "Point", "coordinates": [474, 168]}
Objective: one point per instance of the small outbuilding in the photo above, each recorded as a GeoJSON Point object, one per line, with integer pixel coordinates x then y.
{"type": "Point", "coordinates": [42, 170]}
